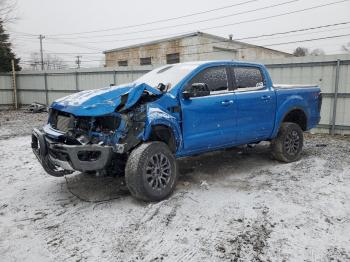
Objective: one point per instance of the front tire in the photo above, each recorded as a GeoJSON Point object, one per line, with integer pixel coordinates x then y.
{"type": "Point", "coordinates": [288, 144]}
{"type": "Point", "coordinates": [151, 171]}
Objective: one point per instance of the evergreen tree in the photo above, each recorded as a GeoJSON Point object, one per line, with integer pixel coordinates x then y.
{"type": "Point", "coordinates": [6, 53]}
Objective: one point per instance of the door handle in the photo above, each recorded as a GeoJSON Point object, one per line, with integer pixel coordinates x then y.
{"type": "Point", "coordinates": [266, 97]}
{"type": "Point", "coordinates": [227, 102]}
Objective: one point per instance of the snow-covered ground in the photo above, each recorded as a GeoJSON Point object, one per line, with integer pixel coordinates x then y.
{"type": "Point", "coordinates": [232, 205]}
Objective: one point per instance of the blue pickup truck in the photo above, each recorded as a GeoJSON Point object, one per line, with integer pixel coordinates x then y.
{"type": "Point", "coordinates": [139, 129]}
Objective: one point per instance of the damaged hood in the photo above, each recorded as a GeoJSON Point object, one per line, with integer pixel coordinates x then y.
{"type": "Point", "coordinates": [103, 101]}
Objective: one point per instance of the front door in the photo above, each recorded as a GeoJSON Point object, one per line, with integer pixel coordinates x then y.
{"type": "Point", "coordinates": [208, 122]}
{"type": "Point", "coordinates": [255, 104]}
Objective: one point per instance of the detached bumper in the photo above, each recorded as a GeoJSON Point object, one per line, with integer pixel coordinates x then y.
{"type": "Point", "coordinates": [59, 159]}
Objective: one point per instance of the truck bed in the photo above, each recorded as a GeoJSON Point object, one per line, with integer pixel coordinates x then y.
{"type": "Point", "coordinates": [306, 96]}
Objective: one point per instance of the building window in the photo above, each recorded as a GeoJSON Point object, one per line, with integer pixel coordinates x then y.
{"type": "Point", "coordinates": [173, 58]}
{"type": "Point", "coordinates": [123, 63]}
{"type": "Point", "coordinates": [146, 61]}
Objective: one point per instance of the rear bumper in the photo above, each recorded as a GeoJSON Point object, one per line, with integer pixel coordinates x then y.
{"type": "Point", "coordinates": [51, 153]}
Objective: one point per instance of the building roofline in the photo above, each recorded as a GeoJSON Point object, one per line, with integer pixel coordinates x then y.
{"type": "Point", "coordinates": [189, 35]}
{"type": "Point", "coordinates": [153, 42]}
{"type": "Point", "coordinates": [241, 43]}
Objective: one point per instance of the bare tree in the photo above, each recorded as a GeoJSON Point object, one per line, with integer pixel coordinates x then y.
{"type": "Point", "coordinates": [346, 47]}
{"type": "Point", "coordinates": [301, 51]}
{"type": "Point", "coordinates": [54, 62]}
{"type": "Point", "coordinates": [35, 61]}
{"type": "Point", "coordinates": [7, 8]}
{"type": "Point", "coordinates": [50, 62]}
{"type": "Point", "coordinates": [317, 52]}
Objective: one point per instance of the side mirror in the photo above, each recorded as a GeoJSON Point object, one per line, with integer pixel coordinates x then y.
{"type": "Point", "coordinates": [187, 94]}
{"type": "Point", "coordinates": [196, 90]}
{"type": "Point", "coordinates": [161, 87]}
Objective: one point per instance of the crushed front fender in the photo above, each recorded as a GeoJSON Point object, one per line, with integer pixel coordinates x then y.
{"type": "Point", "coordinates": [103, 101]}
{"type": "Point", "coordinates": [159, 116]}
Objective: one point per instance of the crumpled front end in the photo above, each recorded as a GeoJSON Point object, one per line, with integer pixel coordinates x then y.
{"type": "Point", "coordinates": [69, 143]}
{"type": "Point", "coordinates": [96, 130]}
{"type": "Point", "coordinates": [59, 159]}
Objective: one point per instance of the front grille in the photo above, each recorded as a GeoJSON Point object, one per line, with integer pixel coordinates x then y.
{"type": "Point", "coordinates": [63, 123]}
{"type": "Point", "coordinates": [83, 123]}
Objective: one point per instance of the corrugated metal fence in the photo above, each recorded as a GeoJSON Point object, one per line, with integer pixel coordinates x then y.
{"type": "Point", "coordinates": [45, 87]}
{"type": "Point", "coordinates": [332, 73]}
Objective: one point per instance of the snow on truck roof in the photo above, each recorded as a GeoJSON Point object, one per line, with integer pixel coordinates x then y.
{"type": "Point", "coordinates": [215, 62]}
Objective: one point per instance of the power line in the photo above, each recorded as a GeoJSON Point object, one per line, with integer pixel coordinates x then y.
{"type": "Point", "coordinates": [223, 41]}
{"type": "Point", "coordinates": [252, 47]}
{"type": "Point", "coordinates": [295, 30]}
{"type": "Point", "coordinates": [214, 51]}
{"type": "Point", "coordinates": [74, 53]}
{"type": "Point", "coordinates": [167, 35]}
{"type": "Point", "coordinates": [30, 62]}
{"type": "Point", "coordinates": [78, 45]}
{"type": "Point", "coordinates": [23, 33]}
{"type": "Point", "coordinates": [243, 38]}
{"type": "Point", "coordinates": [61, 43]}
{"type": "Point", "coordinates": [242, 48]}
{"type": "Point", "coordinates": [309, 40]}
{"type": "Point", "coordinates": [258, 19]}
{"type": "Point", "coordinates": [192, 22]}
{"type": "Point", "coordinates": [161, 20]}
{"type": "Point", "coordinates": [278, 15]}
{"type": "Point", "coordinates": [308, 33]}
{"type": "Point", "coordinates": [221, 26]}
{"type": "Point", "coordinates": [275, 44]}
{"type": "Point", "coordinates": [294, 35]}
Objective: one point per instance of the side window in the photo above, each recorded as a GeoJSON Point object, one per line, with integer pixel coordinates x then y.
{"type": "Point", "coordinates": [249, 78]}
{"type": "Point", "coordinates": [214, 77]}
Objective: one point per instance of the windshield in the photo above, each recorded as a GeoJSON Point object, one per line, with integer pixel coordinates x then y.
{"type": "Point", "coordinates": [169, 75]}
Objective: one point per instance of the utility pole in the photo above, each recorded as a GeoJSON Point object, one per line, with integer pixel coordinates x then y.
{"type": "Point", "coordinates": [78, 61]}
{"type": "Point", "coordinates": [15, 99]}
{"type": "Point", "coordinates": [41, 37]}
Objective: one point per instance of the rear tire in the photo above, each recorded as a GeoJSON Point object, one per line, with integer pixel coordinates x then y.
{"type": "Point", "coordinates": [288, 144]}
{"type": "Point", "coordinates": [151, 171]}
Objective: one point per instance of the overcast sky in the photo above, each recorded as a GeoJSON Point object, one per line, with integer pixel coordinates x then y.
{"type": "Point", "coordinates": [52, 18]}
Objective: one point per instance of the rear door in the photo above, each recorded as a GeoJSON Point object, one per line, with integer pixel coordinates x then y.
{"type": "Point", "coordinates": [255, 104]}
{"type": "Point", "coordinates": [208, 122]}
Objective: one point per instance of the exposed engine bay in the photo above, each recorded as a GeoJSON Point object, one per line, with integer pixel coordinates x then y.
{"type": "Point", "coordinates": [105, 130]}
{"type": "Point", "coordinates": [91, 143]}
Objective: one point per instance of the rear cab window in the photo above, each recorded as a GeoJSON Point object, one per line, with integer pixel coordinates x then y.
{"type": "Point", "coordinates": [247, 78]}
{"type": "Point", "coordinates": [215, 77]}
